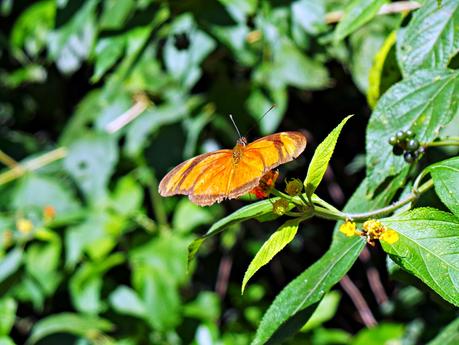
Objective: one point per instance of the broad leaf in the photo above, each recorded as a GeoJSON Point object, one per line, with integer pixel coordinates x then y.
{"type": "Point", "coordinates": [11, 263]}
{"type": "Point", "coordinates": [309, 287]}
{"type": "Point", "coordinates": [8, 308]}
{"type": "Point", "coordinates": [319, 161]}
{"type": "Point", "coordinates": [275, 243]}
{"type": "Point", "coordinates": [70, 44]}
{"type": "Point", "coordinates": [448, 336]}
{"type": "Point", "coordinates": [81, 325]}
{"type": "Point", "coordinates": [91, 161]}
{"type": "Point", "coordinates": [356, 14]}
{"type": "Point", "coordinates": [445, 175]}
{"type": "Point", "coordinates": [431, 39]}
{"type": "Point", "coordinates": [39, 191]}
{"type": "Point", "coordinates": [422, 103]}
{"type": "Point", "coordinates": [428, 248]}
{"type": "Point", "coordinates": [383, 71]}
{"type": "Point", "coordinates": [126, 301]}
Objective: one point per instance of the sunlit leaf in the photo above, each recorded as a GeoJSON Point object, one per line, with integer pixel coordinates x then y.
{"type": "Point", "coordinates": [423, 103]}
{"type": "Point", "coordinates": [126, 301]}
{"type": "Point", "coordinates": [320, 159]}
{"type": "Point", "coordinates": [427, 248]}
{"type": "Point", "coordinates": [438, 42]}
{"type": "Point", "coordinates": [356, 14]}
{"type": "Point", "coordinates": [8, 308]}
{"type": "Point", "coordinates": [445, 176]}
{"type": "Point", "coordinates": [273, 245]}
{"type": "Point", "coordinates": [309, 287]}
{"type": "Point", "coordinates": [81, 325]}
{"type": "Point", "coordinates": [90, 161]}
{"type": "Point", "coordinates": [10, 263]}
{"type": "Point", "coordinates": [448, 335]}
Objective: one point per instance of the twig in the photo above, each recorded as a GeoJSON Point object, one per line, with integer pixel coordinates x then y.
{"type": "Point", "coordinates": [33, 164]}
{"type": "Point", "coordinates": [394, 7]}
{"type": "Point", "coordinates": [7, 160]}
{"type": "Point", "coordinates": [362, 307]}
{"type": "Point", "coordinates": [141, 103]}
{"type": "Point", "coordinates": [224, 271]}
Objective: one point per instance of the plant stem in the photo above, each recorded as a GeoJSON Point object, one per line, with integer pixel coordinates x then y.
{"type": "Point", "coordinates": [33, 164]}
{"type": "Point", "coordinates": [391, 208]}
{"type": "Point", "coordinates": [394, 7]}
{"type": "Point", "coordinates": [446, 142]}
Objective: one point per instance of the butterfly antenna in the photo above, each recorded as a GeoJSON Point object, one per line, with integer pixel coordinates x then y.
{"type": "Point", "coordinates": [234, 123]}
{"type": "Point", "coordinates": [261, 118]}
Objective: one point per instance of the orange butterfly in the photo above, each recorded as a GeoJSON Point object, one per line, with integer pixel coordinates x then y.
{"type": "Point", "coordinates": [228, 174]}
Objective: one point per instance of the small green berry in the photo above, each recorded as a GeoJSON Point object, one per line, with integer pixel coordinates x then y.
{"type": "Point", "coordinates": [409, 157]}
{"type": "Point", "coordinates": [400, 135]}
{"type": "Point", "coordinates": [410, 134]}
{"type": "Point", "coordinates": [397, 150]}
{"type": "Point", "coordinates": [412, 145]}
{"type": "Point", "coordinates": [393, 140]}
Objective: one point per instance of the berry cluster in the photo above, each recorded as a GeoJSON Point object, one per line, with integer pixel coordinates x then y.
{"type": "Point", "coordinates": [405, 144]}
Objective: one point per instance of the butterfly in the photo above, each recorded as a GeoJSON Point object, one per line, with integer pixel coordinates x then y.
{"type": "Point", "coordinates": [229, 174]}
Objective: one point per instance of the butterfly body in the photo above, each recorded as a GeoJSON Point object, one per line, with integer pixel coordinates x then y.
{"type": "Point", "coordinates": [228, 174]}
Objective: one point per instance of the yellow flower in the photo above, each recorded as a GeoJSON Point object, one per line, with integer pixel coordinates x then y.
{"type": "Point", "coordinates": [24, 225]}
{"type": "Point", "coordinates": [390, 236]}
{"type": "Point", "coordinates": [373, 228]}
{"type": "Point", "coordinates": [280, 207]}
{"type": "Point", "coordinates": [348, 228]}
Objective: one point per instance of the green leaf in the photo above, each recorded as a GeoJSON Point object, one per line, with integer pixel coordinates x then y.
{"type": "Point", "coordinates": [259, 100]}
{"type": "Point", "coordinates": [10, 263]}
{"type": "Point", "coordinates": [71, 43]}
{"type": "Point", "coordinates": [430, 40]}
{"type": "Point", "coordinates": [107, 52]}
{"type": "Point", "coordinates": [320, 159]}
{"type": "Point", "coordinates": [184, 64]}
{"type": "Point", "coordinates": [8, 308]}
{"type": "Point", "coordinates": [42, 262]}
{"type": "Point", "coordinates": [273, 245]}
{"type": "Point", "coordinates": [300, 71]}
{"type": "Point", "coordinates": [97, 235]}
{"type": "Point", "coordinates": [188, 216]}
{"type": "Point", "coordinates": [31, 29]}
{"type": "Point", "coordinates": [150, 121]}
{"type": "Point", "coordinates": [384, 333]}
{"type": "Point", "coordinates": [126, 301]}
{"type": "Point", "coordinates": [310, 15]}
{"type": "Point", "coordinates": [6, 341]}
{"type": "Point", "coordinates": [115, 14]}
{"type": "Point", "coordinates": [445, 176]}
{"type": "Point", "coordinates": [325, 311]}
{"type": "Point", "coordinates": [448, 335]}
{"type": "Point", "coordinates": [427, 248]}
{"type": "Point", "coordinates": [309, 287]}
{"type": "Point", "coordinates": [423, 103]}
{"type": "Point", "coordinates": [80, 325]}
{"type": "Point", "coordinates": [356, 14]}
{"type": "Point", "coordinates": [127, 198]}
{"type": "Point", "coordinates": [380, 70]}
{"type": "Point", "coordinates": [37, 191]}
{"type": "Point", "coordinates": [91, 161]}
{"type": "Point", "coordinates": [86, 283]}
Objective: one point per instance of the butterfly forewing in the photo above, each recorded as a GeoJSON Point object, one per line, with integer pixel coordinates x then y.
{"type": "Point", "coordinates": [214, 176]}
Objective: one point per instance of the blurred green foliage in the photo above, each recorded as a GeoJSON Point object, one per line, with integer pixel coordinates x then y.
{"type": "Point", "coordinates": [100, 98]}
